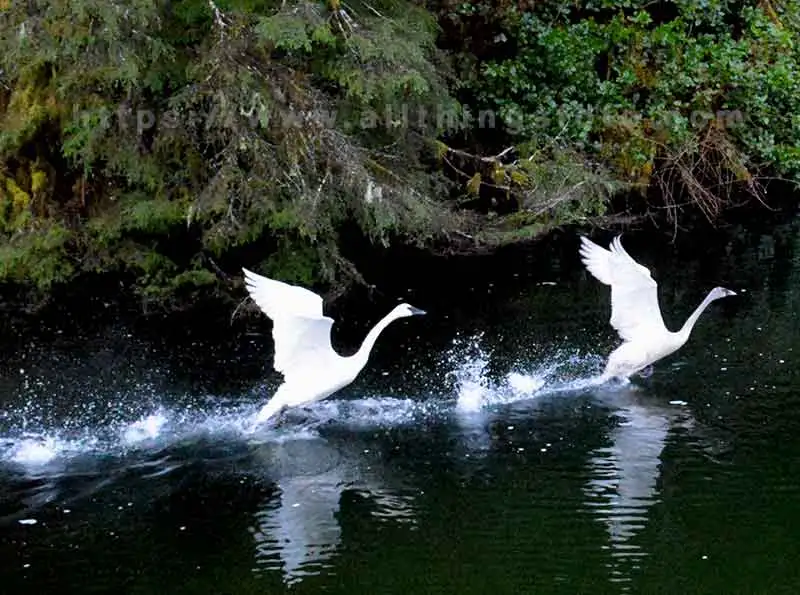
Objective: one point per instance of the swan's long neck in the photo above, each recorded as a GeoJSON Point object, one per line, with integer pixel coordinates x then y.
{"type": "Point", "coordinates": [362, 355]}
{"type": "Point", "coordinates": [687, 327]}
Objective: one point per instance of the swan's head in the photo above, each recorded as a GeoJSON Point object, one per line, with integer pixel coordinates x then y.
{"type": "Point", "coordinates": [403, 310]}
{"type": "Point", "coordinates": [721, 292]}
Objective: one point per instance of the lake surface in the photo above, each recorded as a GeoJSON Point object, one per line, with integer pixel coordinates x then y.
{"type": "Point", "coordinates": [473, 455]}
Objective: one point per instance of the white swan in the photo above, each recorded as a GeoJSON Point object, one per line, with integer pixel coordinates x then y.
{"type": "Point", "coordinates": [311, 369]}
{"type": "Point", "coordinates": [635, 313]}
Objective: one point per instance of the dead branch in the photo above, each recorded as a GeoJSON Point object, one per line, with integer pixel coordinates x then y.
{"type": "Point", "coordinates": [219, 18]}
{"type": "Point", "coordinates": [708, 168]}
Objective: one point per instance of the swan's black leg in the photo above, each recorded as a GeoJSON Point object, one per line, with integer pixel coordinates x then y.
{"type": "Point", "coordinates": [646, 372]}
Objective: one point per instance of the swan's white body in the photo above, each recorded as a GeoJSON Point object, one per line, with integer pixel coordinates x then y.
{"type": "Point", "coordinates": [635, 313]}
{"type": "Point", "coordinates": [311, 369]}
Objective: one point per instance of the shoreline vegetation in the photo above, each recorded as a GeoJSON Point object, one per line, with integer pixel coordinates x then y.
{"type": "Point", "coordinates": [151, 150]}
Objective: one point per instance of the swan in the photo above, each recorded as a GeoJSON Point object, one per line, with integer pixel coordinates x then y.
{"type": "Point", "coordinates": [311, 369]}
{"type": "Point", "coordinates": [635, 313]}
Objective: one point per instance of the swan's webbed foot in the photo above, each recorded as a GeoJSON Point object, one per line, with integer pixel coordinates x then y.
{"type": "Point", "coordinates": [613, 380]}
{"type": "Point", "coordinates": [646, 372]}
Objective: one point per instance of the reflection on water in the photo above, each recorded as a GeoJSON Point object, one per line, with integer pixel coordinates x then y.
{"type": "Point", "coordinates": [496, 463]}
{"type": "Point", "coordinates": [298, 531]}
{"type": "Point", "coordinates": [300, 526]}
{"type": "Point", "coordinates": [624, 474]}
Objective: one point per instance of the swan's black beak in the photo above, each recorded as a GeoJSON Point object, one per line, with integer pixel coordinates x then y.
{"type": "Point", "coordinates": [416, 311]}
{"type": "Point", "coordinates": [729, 292]}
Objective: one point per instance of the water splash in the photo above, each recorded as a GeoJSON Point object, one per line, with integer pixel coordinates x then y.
{"type": "Point", "coordinates": [45, 447]}
{"type": "Point", "coordinates": [61, 457]}
{"type": "Point", "coordinates": [477, 388]}
{"type": "Point", "coordinates": [34, 450]}
{"type": "Point", "coordinates": [147, 428]}
{"type": "Point", "coordinates": [40, 437]}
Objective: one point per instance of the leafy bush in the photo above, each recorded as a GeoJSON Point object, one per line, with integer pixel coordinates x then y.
{"type": "Point", "coordinates": [699, 98]}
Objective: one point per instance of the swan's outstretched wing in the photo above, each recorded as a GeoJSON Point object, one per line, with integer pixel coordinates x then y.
{"type": "Point", "coordinates": [278, 299]}
{"type": "Point", "coordinates": [302, 335]}
{"type": "Point", "coordinates": [634, 293]}
{"type": "Point", "coordinates": [302, 346]}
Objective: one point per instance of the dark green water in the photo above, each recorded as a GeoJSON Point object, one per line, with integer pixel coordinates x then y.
{"type": "Point", "coordinates": [431, 473]}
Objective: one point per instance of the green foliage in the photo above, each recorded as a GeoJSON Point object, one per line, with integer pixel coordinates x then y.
{"type": "Point", "coordinates": [155, 139]}
{"type": "Point", "coordinates": [39, 257]}
{"type": "Point", "coordinates": [706, 96]}
{"type": "Point", "coordinates": [552, 188]}
{"type": "Point", "coordinates": [295, 263]}
{"type": "Point", "coordinates": [216, 124]}
{"type": "Point", "coordinates": [152, 216]}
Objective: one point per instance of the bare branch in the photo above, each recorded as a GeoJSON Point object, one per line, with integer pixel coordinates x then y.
{"type": "Point", "coordinates": [219, 18]}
